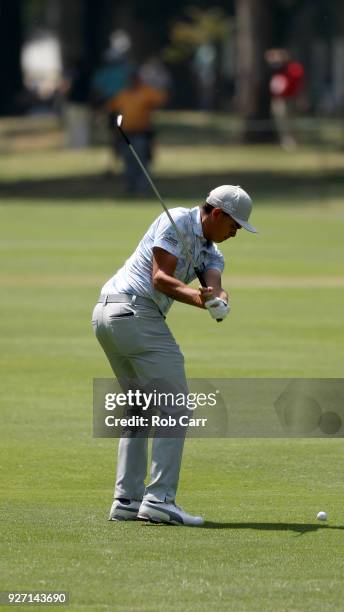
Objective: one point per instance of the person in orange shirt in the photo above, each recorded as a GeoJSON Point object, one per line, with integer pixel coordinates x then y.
{"type": "Point", "coordinates": [136, 104]}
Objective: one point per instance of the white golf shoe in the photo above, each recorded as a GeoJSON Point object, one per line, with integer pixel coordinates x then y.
{"type": "Point", "coordinates": [159, 512]}
{"type": "Point", "coordinates": [124, 510]}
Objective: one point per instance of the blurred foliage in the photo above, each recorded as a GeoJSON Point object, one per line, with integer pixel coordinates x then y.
{"type": "Point", "coordinates": [200, 26]}
{"type": "Point", "coordinates": [34, 12]}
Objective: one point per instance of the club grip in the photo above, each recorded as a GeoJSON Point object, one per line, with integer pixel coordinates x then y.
{"type": "Point", "coordinates": [203, 284]}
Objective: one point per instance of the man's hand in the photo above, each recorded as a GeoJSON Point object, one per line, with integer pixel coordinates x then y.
{"type": "Point", "coordinates": [213, 279]}
{"type": "Point", "coordinates": [163, 279]}
{"type": "Point", "coordinates": [217, 308]}
{"type": "Point", "coordinates": [206, 293]}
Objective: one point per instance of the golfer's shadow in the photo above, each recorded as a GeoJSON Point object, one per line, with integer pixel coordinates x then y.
{"type": "Point", "coordinates": [299, 528]}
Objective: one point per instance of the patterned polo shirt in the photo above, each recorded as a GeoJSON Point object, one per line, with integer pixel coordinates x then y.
{"type": "Point", "coordinates": [135, 276]}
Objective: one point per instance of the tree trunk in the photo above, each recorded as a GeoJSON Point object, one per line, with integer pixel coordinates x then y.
{"type": "Point", "coordinates": [252, 82]}
{"type": "Point", "coordinates": [11, 38]}
{"type": "Point", "coordinates": [71, 31]}
{"type": "Point", "coordinates": [338, 58]}
{"type": "Point", "coordinates": [85, 26]}
{"type": "Point", "coordinates": [98, 24]}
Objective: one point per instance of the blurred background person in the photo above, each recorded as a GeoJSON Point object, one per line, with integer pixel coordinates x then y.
{"type": "Point", "coordinates": [204, 65]}
{"type": "Point", "coordinates": [110, 78]}
{"type": "Point", "coordinates": [286, 82]}
{"type": "Point", "coordinates": [137, 103]}
{"type": "Point", "coordinates": [112, 75]}
{"type": "Point", "coordinates": [76, 91]}
{"type": "Point", "coordinates": [153, 72]}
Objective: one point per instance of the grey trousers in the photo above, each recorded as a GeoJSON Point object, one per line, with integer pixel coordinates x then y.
{"type": "Point", "coordinates": [139, 345]}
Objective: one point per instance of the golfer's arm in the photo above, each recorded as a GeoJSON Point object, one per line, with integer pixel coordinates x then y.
{"type": "Point", "coordinates": [164, 265]}
{"type": "Point", "coordinates": [213, 279]}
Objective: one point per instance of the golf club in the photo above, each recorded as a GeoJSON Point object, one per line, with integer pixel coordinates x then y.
{"type": "Point", "coordinates": [181, 239]}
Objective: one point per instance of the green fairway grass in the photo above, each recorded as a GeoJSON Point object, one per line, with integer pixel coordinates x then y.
{"type": "Point", "coordinates": [261, 547]}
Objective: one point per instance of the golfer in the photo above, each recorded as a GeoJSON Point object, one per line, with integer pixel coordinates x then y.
{"type": "Point", "coordinates": [129, 322]}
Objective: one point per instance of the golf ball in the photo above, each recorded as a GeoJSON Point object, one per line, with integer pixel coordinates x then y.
{"type": "Point", "coordinates": [322, 516]}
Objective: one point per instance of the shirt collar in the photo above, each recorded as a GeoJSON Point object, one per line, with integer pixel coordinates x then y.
{"type": "Point", "coordinates": [196, 223]}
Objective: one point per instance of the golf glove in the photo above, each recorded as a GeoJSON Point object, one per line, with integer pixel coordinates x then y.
{"type": "Point", "coordinates": [217, 308]}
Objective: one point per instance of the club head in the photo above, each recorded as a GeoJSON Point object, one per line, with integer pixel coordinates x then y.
{"type": "Point", "coordinates": [119, 120]}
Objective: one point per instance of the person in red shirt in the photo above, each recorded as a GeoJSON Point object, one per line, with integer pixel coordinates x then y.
{"type": "Point", "coordinates": [286, 82]}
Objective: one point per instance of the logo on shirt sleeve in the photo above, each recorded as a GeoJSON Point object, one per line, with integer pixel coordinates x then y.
{"type": "Point", "coordinates": [171, 240]}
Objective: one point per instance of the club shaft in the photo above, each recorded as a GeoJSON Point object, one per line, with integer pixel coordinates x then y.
{"type": "Point", "coordinates": [180, 236]}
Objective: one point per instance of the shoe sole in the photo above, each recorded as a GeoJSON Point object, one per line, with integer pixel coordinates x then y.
{"type": "Point", "coordinates": [122, 518]}
{"type": "Point", "coordinates": [123, 515]}
{"type": "Point", "coordinates": [157, 521]}
{"type": "Point", "coordinates": [155, 515]}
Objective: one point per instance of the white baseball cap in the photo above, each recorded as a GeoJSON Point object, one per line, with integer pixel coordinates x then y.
{"type": "Point", "coordinates": [234, 201]}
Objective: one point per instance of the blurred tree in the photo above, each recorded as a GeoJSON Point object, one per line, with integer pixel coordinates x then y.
{"type": "Point", "coordinates": [254, 37]}
{"type": "Point", "coordinates": [33, 13]}
{"type": "Point", "coordinates": [201, 27]}
{"type": "Point", "coordinates": [84, 29]}
{"type": "Point", "coordinates": [194, 47]}
{"type": "Point", "coordinates": [338, 57]}
{"type": "Point", "coordinates": [40, 15]}
{"type": "Point", "coordinates": [70, 31]}
{"type": "Point", "coordinates": [11, 38]}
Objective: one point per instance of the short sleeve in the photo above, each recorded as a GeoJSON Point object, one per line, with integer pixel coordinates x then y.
{"type": "Point", "coordinates": [214, 260]}
{"type": "Point", "coordinates": [166, 238]}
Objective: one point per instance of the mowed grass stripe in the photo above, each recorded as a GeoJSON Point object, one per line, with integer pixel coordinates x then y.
{"type": "Point", "coordinates": [257, 282]}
